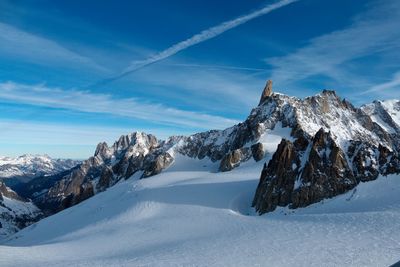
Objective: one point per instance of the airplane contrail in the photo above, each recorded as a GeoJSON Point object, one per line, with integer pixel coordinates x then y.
{"type": "Point", "coordinates": [198, 38]}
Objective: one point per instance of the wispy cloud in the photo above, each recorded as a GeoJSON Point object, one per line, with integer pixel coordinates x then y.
{"type": "Point", "coordinates": [86, 101]}
{"type": "Point", "coordinates": [394, 83]}
{"type": "Point", "coordinates": [213, 67]}
{"type": "Point", "coordinates": [29, 47]}
{"type": "Point", "coordinates": [372, 32]}
{"type": "Point", "coordinates": [227, 90]}
{"type": "Point", "coordinates": [199, 38]}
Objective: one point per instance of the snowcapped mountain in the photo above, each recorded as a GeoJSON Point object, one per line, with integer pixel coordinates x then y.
{"type": "Point", "coordinates": [385, 113]}
{"type": "Point", "coordinates": [329, 171]}
{"type": "Point", "coordinates": [334, 147]}
{"type": "Point", "coordinates": [26, 167]}
{"type": "Point", "coordinates": [30, 175]}
{"type": "Point", "coordinates": [15, 212]}
{"type": "Point", "coordinates": [322, 132]}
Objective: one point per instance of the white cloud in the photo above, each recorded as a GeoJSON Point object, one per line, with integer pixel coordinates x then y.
{"type": "Point", "coordinates": [394, 83]}
{"type": "Point", "coordinates": [210, 89]}
{"type": "Point", "coordinates": [85, 101]}
{"type": "Point", "coordinates": [39, 50]}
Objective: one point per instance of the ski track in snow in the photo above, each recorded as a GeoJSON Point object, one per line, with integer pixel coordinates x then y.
{"type": "Point", "coordinates": [190, 215]}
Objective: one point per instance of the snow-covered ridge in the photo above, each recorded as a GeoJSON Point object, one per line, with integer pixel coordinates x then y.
{"type": "Point", "coordinates": [27, 167]}
{"type": "Point", "coordinates": [385, 113]}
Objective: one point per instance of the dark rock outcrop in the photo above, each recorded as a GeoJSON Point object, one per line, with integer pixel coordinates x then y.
{"type": "Point", "coordinates": [234, 158]}
{"type": "Point", "coordinates": [156, 165]}
{"type": "Point", "coordinates": [388, 161]}
{"type": "Point", "coordinates": [328, 171]}
{"type": "Point", "coordinates": [257, 150]}
{"type": "Point", "coordinates": [325, 174]}
{"type": "Point", "coordinates": [277, 178]}
{"type": "Point", "coordinates": [106, 179]}
{"type": "Point", "coordinates": [7, 192]}
{"type": "Point", "coordinates": [15, 212]}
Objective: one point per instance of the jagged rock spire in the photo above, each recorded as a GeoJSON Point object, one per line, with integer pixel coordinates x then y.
{"type": "Point", "coordinates": [267, 92]}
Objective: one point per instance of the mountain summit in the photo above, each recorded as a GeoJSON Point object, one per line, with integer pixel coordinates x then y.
{"type": "Point", "coordinates": [266, 92]}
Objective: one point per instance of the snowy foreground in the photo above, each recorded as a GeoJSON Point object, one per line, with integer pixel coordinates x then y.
{"type": "Point", "coordinates": [190, 215]}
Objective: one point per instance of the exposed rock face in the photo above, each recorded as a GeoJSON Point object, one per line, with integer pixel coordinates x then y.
{"type": "Point", "coordinates": [277, 178]}
{"type": "Point", "coordinates": [104, 169]}
{"type": "Point", "coordinates": [233, 159]}
{"type": "Point", "coordinates": [327, 171]}
{"type": "Point", "coordinates": [267, 92]}
{"type": "Point", "coordinates": [325, 174]}
{"type": "Point", "coordinates": [7, 192]}
{"type": "Point", "coordinates": [257, 150]}
{"type": "Point", "coordinates": [156, 165]}
{"type": "Point", "coordinates": [15, 212]}
{"type": "Point", "coordinates": [106, 178]}
{"type": "Point", "coordinates": [388, 161]}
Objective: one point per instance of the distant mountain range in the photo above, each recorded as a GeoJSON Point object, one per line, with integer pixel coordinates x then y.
{"type": "Point", "coordinates": [16, 211]}
{"type": "Point", "coordinates": [24, 168]}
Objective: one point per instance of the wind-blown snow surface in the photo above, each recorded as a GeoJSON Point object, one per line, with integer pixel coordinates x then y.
{"type": "Point", "coordinates": [190, 215]}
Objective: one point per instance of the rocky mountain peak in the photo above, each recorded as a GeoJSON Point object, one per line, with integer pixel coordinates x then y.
{"type": "Point", "coordinates": [267, 92]}
{"type": "Point", "coordinates": [102, 150]}
{"type": "Point", "coordinates": [327, 92]}
{"type": "Point", "coordinates": [299, 176]}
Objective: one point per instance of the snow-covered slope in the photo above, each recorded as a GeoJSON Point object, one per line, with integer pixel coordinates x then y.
{"type": "Point", "coordinates": [27, 167]}
{"type": "Point", "coordinates": [191, 215]}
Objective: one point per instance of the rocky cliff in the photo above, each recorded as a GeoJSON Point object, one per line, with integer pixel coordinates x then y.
{"type": "Point", "coordinates": [351, 145]}
{"type": "Point", "coordinates": [15, 212]}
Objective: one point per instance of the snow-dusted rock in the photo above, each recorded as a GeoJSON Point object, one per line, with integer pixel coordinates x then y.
{"type": "Point", "coordinates": [352, 145]}
{"type": "Point", "coordinates": [15, 212]}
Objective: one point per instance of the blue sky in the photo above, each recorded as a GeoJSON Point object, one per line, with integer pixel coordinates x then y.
{"type": "Point", "coordinates": [74, 73]}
